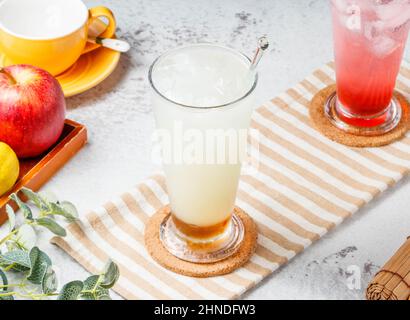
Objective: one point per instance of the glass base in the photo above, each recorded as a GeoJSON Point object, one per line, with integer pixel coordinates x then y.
{"type": "Point", "coordinates": [362, 126]}
{"type": "Point", "coordinates": [209, 251]}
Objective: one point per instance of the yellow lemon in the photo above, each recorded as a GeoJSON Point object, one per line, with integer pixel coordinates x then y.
{"type": "Point", "coordinates": [9, 168]}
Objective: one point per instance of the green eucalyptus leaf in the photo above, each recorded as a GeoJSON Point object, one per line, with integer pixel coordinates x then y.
{"type": "Point", "coordinates": [19, 258]}
{"type": "Point", "coordinates": [14, 266]}
{"type": "Point", "coordinates": [49, 283]}
{"type": "Point", "coordinates": [51, 225]}
{"type": "Point", "coordinates": [35, 198]}
{"type": "Point", "coordinates": [59, 209]}
{"type": "Point", "coordinates": [71, 210]}
{"type": "Point", "coordinates": [88, 296]}
{"type": "Point", "coordinates": [24, 208]}
{"type": "Point", "coordinates": [104, 297]}
{"type": "Point", "coordinates": [71, 291]}
{"type": "Point", "coordinates": [91, 282]}
{"type": "Point", "coordinates": [19, 268]}
{"type": "Point", "coordinates": [40, 262]}
{"type": "Point", "coordinates": [26, 236]}
{"type": "Point", "coordinates": [7, 298]}
{"type": "Point", "coordinates": [103, 294]}
{"type": "Point", "coordinates": [12, 217]}
{"type": "Point", "coordinates": [12, 245]}
{"type": "Point", "coordinates": [4, 280]}
{"type": "Point", "coordinates": [98, 293]}
{"type": "Point", "coordinates": [89, 285]}
{"type": "Point", "coordinates": [110, 275]}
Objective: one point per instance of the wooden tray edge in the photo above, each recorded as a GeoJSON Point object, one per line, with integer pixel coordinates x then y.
{"type": "Point", "coordinates": [54, 160]}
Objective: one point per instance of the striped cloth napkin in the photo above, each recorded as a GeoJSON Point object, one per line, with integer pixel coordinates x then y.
{"type": "Point", "coordinates": [304, 187]}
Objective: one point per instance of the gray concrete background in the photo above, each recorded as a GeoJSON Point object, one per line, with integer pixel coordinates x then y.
{"type": "Point", "coordinates": [120, 122]}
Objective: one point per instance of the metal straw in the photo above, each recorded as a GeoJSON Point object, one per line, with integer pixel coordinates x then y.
{"type": "Point", "coordinates": [263, 45]}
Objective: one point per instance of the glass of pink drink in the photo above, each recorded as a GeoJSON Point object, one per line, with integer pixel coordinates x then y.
{"type": "Point", "coordinates": [369, 38]}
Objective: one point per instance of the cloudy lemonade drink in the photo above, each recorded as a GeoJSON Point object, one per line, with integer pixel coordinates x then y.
{"type": "Point", "coordinates": [203, 104]}
{"type": "Point", "coordinates": [369, 37]}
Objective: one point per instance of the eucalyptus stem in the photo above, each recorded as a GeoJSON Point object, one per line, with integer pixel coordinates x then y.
{"type": "Point", "coordinates": [21, 255]}
{"type": "Point", "coordinates": [8, 294]}
{"type": "Point", "coordinates": [19, 285]}
{"type": "Point", "coordinates": [8, 268]}
{"type": "Point", "coordinates": [94, 290]}
{"type": "Point", "coordinates": [9, 236]}
{"type": "Point", "coordinates": [32, 296]}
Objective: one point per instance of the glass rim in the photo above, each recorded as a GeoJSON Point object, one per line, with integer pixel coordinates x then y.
{"type": "Point", "coordinates": [247, 94]}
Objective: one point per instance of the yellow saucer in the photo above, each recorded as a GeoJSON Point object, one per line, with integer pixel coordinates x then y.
{"type": "Point", "coordinates": [89, 70]}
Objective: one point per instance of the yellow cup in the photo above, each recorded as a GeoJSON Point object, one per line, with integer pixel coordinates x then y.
{"type": "Point", "coordinates": [50, 34]}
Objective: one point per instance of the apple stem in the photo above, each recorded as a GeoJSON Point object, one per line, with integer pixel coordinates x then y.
{"type": "Point", "coordinates": [8, 75]}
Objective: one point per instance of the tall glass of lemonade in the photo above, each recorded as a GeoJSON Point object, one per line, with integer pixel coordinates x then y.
{"type": "Point", "coordinates": [202, 100]}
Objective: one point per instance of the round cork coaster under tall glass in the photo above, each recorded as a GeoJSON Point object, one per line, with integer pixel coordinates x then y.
{"type": "Point", "coordinates": [155, 238]}
{"type": "Point", "coordinates": [325, 119]}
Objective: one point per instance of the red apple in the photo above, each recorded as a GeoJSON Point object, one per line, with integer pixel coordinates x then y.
{"type": "Point", "coordinates": [32, 109]}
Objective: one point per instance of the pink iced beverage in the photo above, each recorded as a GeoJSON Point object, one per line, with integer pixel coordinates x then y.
{"type": "Point", "coordinates": [370, 37]}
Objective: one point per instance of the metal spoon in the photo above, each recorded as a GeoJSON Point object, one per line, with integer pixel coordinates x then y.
{"type": "Point", "coordinates": [113, 44]}
{"type": "Point", "coordinates": [97, 28]}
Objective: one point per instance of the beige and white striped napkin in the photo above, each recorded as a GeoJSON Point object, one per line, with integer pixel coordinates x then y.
{"type": "Point", "coordinates": [304, 187]}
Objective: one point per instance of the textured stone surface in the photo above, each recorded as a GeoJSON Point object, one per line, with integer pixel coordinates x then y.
{"type": "Point", "coordinates": [120, 122]}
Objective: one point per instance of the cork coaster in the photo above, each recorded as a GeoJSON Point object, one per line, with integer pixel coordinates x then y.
{"type": "Point", "coordinates": [164, 258]}
{"type": "Point", "coordinates": [323, 124]}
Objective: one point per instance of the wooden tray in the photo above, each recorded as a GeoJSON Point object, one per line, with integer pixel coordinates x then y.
{"type": "Point", "coordinates": [37, 171]}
